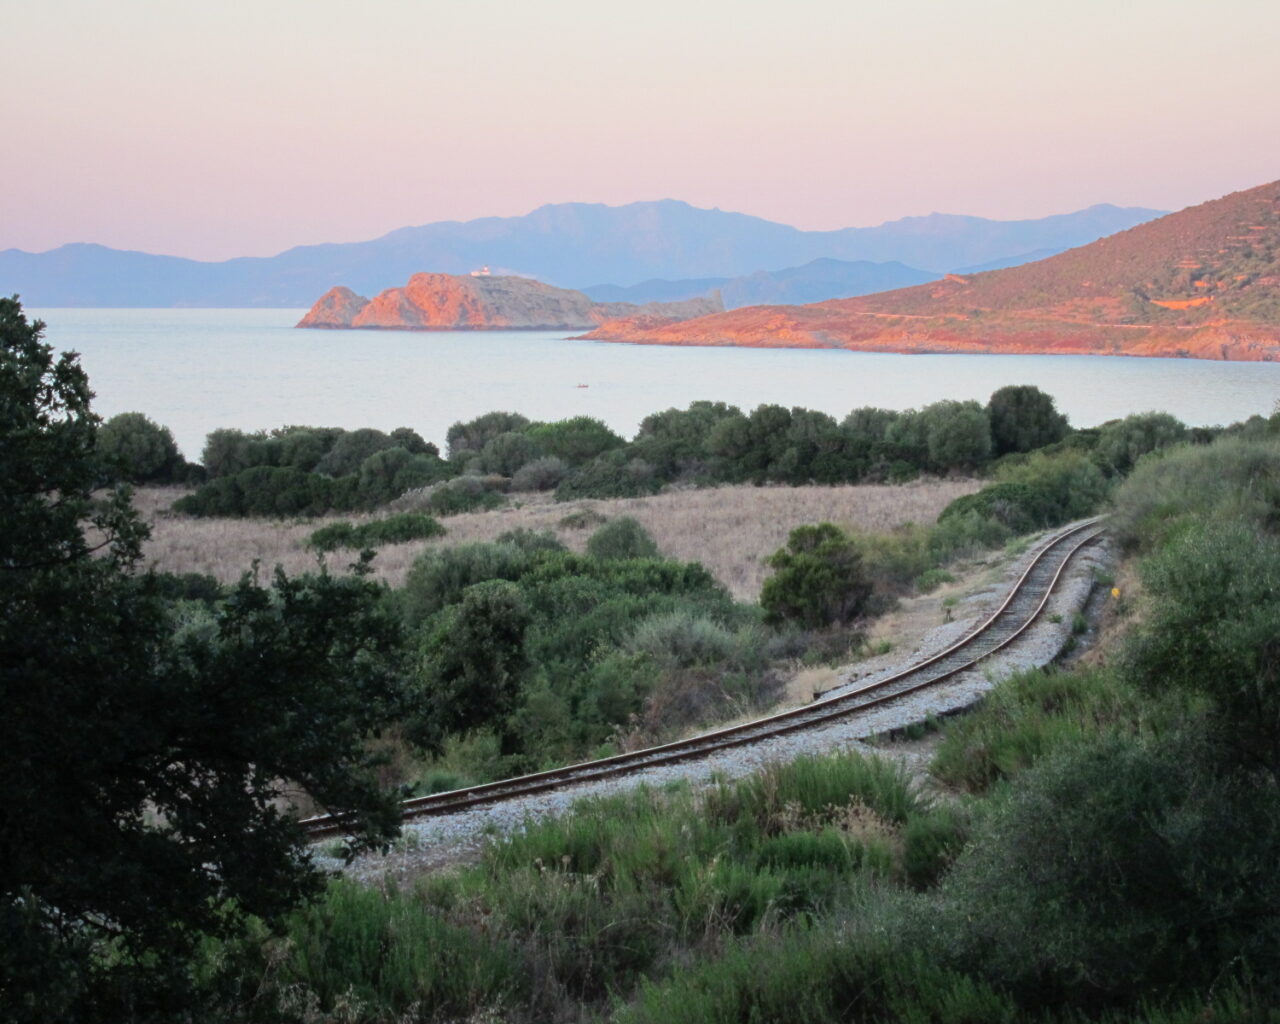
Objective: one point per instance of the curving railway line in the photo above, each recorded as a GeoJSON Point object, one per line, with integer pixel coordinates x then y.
{"type": "Point", "coordinates": [1022, 606]}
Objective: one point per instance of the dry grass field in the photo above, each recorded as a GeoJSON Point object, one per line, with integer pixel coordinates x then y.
{"type": "Point", "coordinates": [730, 530]}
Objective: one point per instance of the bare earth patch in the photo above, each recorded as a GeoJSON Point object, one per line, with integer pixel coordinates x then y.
{"type": "Point", "coordinates": [730, 530]}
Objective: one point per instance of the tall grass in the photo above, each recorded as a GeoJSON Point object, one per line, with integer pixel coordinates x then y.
{"type": "Point", "coordinates": [730, 530]}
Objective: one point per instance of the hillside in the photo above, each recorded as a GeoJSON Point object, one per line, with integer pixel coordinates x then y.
{"type": "Point", "coordinates": [571, 245]}
{"type": "Point", "coordinates": [816, 281]}
{"type": "Point", "coordinates": [1204, 282]}
{"type": "Point", "coordinates": [453, 302]}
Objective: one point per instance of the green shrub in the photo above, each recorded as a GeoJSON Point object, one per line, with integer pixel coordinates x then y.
{"type": "Point", "coordinates": [1233, 478]}
{"type": "Point", "coordinates": [463, 494]}
{"type": "Point", "coordinates": [622, 538]}
{"type": "Point", "coordinates": [383, 955]}
{"type": "Point", "coordinates": [932, 579]}
{"type": "Point", "coordinates": [466, 439]}
{"type": "Point", "coordinates": [1135, 869]}
{"type": "Point", "coordinates": [396, 529]}
{"type": "Point", "coordinates": [544, 474]}
{"type": "Point", "coordinates": [575, 441]}
{"type": "Point", "coordinates": [818, 579]}
{"type": "Point", "coordinates": [1214, 593]}
{"type": "Point", "coordinates": [139, 451]}
{"type": "Point", "coordinates": [611, 475]}
{"type": "Point", "coordinates": [1030, 715]}
{"type": "Point", "coordinates": [1121, 443]}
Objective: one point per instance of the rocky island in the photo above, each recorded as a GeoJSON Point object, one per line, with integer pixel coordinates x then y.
{"type": "Point", "coordinates": [1201, 283]}
{"type": "Point", "coordinates": [454, 302]}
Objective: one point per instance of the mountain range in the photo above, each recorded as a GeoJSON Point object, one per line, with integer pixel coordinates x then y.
{"type": "Point", "coordinates": [570, 245]}
{"type": "Point", "coordinates": [1203, 282]}
{"type": "Point", "coordinates": [815, 281]}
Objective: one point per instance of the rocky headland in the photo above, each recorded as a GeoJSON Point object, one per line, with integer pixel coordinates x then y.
{"type": "Point", "coordinates": [1201, 283]}
{"type": "Point", "coordinates": [455, 302]}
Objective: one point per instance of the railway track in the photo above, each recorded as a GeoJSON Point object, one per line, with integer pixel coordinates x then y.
{"type": "Point", "coordinates": [1022, 606]}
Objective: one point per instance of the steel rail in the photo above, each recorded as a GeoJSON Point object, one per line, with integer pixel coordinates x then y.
{"type": "Point", "coordinates": [817, 713]}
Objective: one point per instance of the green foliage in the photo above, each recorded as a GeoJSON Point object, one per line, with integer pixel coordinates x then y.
{"type": "Point", "coordinates": [473, 656]}
{"type": "Point", "coordinates": [395, 529]}
{"type": "Point", "coordinates": [1031, 715]}
{"type": "Point", "coordinates": [1023, 418]}
{"type": "Point", "coordinates": [351, 449]}
{"type": "Point", "coordinates": [544, 474]}
{"type": "Point", "coordinates": [575, 441]}
{"type": "Point", "coordinates": [362, 951]}
{"type": "Point", "coordinates": [506, 453]}
{"type": "Point", "coordinates": [143, 768]}
{"type": "Point", "coordinates": [270, 491]}
{"type": "Point", "coordinates": [1035, 493]}
{"type": "Point", "coordinates": [1215, 591]}
{"type": "Point", "coordinates": [612, 475]}
{"type": "Point", "coordinates": [1121, 443]}
{"type": "Point", "coordinates": [818, 579]}
{"type": "Point", "coordinates": [1135, 869]}
{"type": "Point", "coordinates": [1233, 478]}
{"type": "Point", "coordinates": [466, 439]}
{"type": "Point", "coordinates": [674, 442]}
{"type": "Point", "coordinates": [389, 473]}
{"type": "Point", "coordinates": [622, 538]}
{"type": "Point", "coordinates": [957, 435]}
{"type": "Point", "coordinates": [139, 451]}
{"type": "Point", "coordinates": [932, 579]}
{"type": "Point", "coordinates": [464, 494]}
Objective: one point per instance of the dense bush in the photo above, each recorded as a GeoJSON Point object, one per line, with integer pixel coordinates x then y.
{"type": "Point", "coordinates": [1023, 418]}
{"type": "Point", "coordinates": [574, 441]}
{"type": "Point", "coordinates": [818, 579]}
{"type": "Point", "coordinates": [1136, 869]}
{"type": "Point", "coordinates": [395, 529]}
{"type": "Point", "coordinates": [1122, 443]}
{"type": "Point", "coordinates": [543, 474]}
{"type": "Point", "coordinates": [622, 538]}
{"type": "Point", "coordinates": [612, 475]}
{"type": "Point", "coordinates": [1215, 589]}
{"type": "Point", "coordinates": [139, 451]}
{"type": "Point", "coordinates": [1232, 478]}
{"type": "Point", "coordinates": [467, 439]}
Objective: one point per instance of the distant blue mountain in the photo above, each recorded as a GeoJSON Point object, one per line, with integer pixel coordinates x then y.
{"type": "Point", "coordinates": [571, 245]}
{"type": "Point", "coordinates": [816, 281]}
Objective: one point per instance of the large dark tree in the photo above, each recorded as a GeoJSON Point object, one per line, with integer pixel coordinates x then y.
{"type": "Point", "coordinates": [145, 763]}
{"type": "Point", "coordinates": [1023, 418]}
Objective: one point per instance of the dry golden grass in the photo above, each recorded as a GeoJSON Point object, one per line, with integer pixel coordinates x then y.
{"type": "Point", "coordinates": [730, 530]}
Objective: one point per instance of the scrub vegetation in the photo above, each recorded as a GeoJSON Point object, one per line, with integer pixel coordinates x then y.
{"type": "Point", "coordinates": [163, 731]}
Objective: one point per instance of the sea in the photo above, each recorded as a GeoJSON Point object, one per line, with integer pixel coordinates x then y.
{"type": "Point", "coordinates": [194, 370]}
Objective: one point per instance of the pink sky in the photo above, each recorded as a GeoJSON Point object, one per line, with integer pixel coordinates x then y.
{"type": "Point", "coordinates": [242, 128]}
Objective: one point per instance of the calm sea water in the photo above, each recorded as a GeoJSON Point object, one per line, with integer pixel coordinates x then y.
{"type": "Point", "coordinates": [197, 369]}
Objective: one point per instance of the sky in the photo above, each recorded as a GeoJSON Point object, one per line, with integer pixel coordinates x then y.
{"type": "Point", "coordinates": [232, 128]}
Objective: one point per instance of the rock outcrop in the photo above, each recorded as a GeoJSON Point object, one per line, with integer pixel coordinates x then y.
{"type": "Point", "coordinates": [452, 302]}
{"type": "Point", "coordinates": [1202, 283]}
{"type": "Point", "coordinates": [335, 308]}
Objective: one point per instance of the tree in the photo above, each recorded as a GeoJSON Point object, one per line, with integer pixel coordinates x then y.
{"type": "Point", "coordinates": [1023, 418]}
{"type": "Point", "coordinates": [143, 766]}
{"type": "Point", "coordinates": [577, 441]}
{"type": "Point", "coordinates": [818, 579]}
{"type": "Point", "coordinates": [1121, 443]}
{"type": "Point", "coordinates": [464, 439]}
{"type": "Point", "coordinates": [957, 435]}
{"type": "Point", "coordinates": [138, 450]}
{"type": "Point", "coordinates": [473, 659]}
